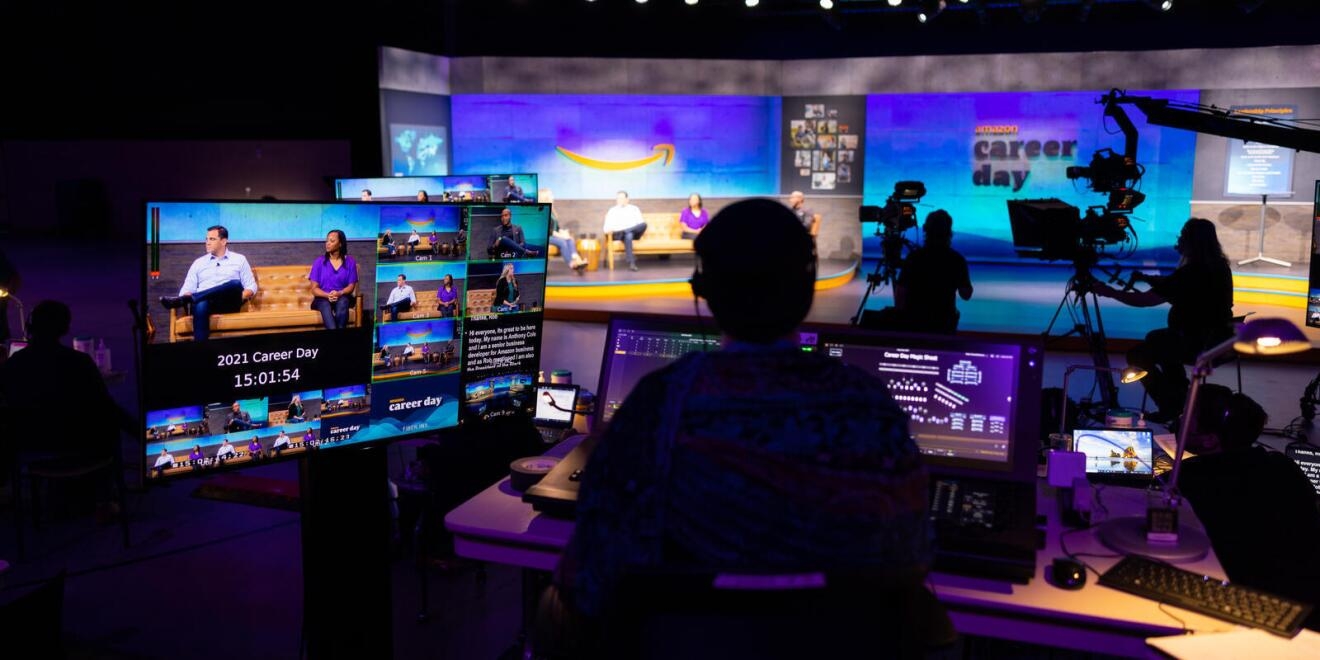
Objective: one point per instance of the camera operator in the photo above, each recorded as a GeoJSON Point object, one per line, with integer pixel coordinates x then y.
{"type": "Point", "coordinates": [931, 276]}
{"type": "Point", "coordinates": [1200, 297]}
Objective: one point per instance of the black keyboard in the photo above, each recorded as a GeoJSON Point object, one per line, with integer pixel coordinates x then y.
{"type": "Point", "coordinates": [1209, 596]}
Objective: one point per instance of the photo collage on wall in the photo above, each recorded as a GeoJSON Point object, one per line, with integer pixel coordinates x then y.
{"type": "Point", "coordinates": [823, 146]}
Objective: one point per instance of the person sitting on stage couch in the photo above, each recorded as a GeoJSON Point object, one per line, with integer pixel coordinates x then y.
{"type": "Point", "coordinates": [508, 239]}
{"type": "Point", "coordinates": [334, 279]}
{"type": "Point", "coordinates": [309, 439]}
{"type": "Point", "coordinates": [514, 192]}
{"type": "Point", "coordinates": [401, 298]}
{"type": "Point", "coordinates": [163, 462]}
{"type": "Point", "coordinates": [295, 411]}
{"type": "Point", "coordinates": [623, 222]}
{"type": "Point", "coordinates": [196, 457]}
{"type": "Point", "coordinates": [218, 282]}
{"type": "Point", "coordinates": [447, 298]}
{"type": "Point", "coordinates": [561, 238]}
{"type": "Point", "coordinates": [226, 450]}
{"type": "Point", "coordinates": [754, 457]}
{"type": "Point", "coordinates": [1200, 297]}
{"type": "Point", "coordinates": [237, 419]}
{"type": "Point", "coordinates": [1257, 506]}
{"type": "Point", "coordinates": [694, 217]}
{"type": "Point", "coordinates": [254, 448]}
{"type": "Point", "coordinates": [506, 291]}
{"type": "Point", "coordinates": [281, 442]}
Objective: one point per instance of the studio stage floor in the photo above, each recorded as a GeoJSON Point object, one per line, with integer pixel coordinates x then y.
{"type": "Point", "coordinates": [1013, 299]}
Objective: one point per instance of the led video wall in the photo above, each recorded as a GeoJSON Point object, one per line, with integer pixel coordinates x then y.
{"type": "Point", "coordinates": [590, 147]}
{"type": "Point", "coordinates": [975, 152]}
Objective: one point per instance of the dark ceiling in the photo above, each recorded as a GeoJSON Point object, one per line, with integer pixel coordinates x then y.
{"type": "Point", "coordinates": [298, 69]}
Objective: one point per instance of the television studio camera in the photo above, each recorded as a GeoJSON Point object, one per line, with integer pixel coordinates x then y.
{"type": "Point", "coordinates": [898, 215]}
{"type": "Point", "coordinates": [1052, 230]}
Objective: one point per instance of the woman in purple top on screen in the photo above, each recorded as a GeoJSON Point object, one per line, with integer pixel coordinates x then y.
{"type": "Point", "coordinates": [447, 297]}
{"type": "Point", "coordinates": [334, 279]}
{"type": "Point", "coordinates": [694, 217]}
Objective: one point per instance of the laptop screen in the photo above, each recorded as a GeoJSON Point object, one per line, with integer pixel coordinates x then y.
{"type": "Point", "coordinates": [1117, 452]}
{"type": "Point", "coordinates": [555, 405]}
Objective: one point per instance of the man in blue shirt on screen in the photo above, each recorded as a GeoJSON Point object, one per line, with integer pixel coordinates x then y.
{"type": "Point", "coordinates": [218, 282]}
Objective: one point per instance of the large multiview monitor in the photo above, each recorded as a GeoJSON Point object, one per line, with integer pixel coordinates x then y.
{"type": "Point", "coordinates": [265, 348]}
{"type": "Point", "coordinates": [505, 188]}
{"type": "Point", "coordinates": [973, 402]}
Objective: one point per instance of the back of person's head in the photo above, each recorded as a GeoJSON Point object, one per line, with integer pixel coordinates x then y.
{"type": "Point", "coordinates": [939, 227]}
{"type": "Point", "coordinates": [49, 320]}
{"type": "Point", "coordinates": [1199, 243]}
{"type": "Point", "coordinates": [756, 268]}
{"type": "Point", "coordinates": [1233, 418]}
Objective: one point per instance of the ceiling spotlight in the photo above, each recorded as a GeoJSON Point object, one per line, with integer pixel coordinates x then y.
{"type": "Point", "coordinates": [641, 2]}
{"type": "Point", "coordinates": [691, 2]}
{"type": "Point", "coordinates": [1166, 5]}
{"type": "Point", "coordinates": [1160, 5]}
{"type": "Point", "coordinates": [895, 3]}
{"type": "Point", "coordinates": [751, 3]}
{"type": "Point", "coordinates": [930, 9]}
{"type": "Point", "coordinates": [827, 4]}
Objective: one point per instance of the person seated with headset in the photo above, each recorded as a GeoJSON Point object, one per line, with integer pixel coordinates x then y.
{"type": "Point", "coordinates": [757, 455]}
{"type": "Point", "coordinates": [1257, 506]}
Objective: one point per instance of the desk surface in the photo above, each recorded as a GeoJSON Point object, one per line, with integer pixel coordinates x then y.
{"type": "Point", "coordinates": [497, 526]}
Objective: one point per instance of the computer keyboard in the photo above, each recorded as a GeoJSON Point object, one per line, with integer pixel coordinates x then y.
{"type": "Point", "coordinates": [1210, 596]}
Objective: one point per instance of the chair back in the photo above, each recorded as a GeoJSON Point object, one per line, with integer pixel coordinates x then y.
{"type": "Point", "coordinates": [698, 614]}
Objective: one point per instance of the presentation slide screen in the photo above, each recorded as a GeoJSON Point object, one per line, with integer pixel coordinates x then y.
{"type": "Point", "coordinates": [507, 188]}
{"type": "Point", "coordinates": [268, 345]}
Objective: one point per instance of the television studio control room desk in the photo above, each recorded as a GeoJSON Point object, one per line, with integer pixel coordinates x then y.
{"type": "Point", "coordinates": [497, 526]}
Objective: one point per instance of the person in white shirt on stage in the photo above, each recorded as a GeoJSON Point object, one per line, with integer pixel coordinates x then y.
{"type": "Point", "coordinates": [623, 222]}
{"type": "Point", "coordinates": [281, 442]}
{"type": "Point", "coordinates": [402, 298]}
{"type": "Point", "coordinates": [226, 450]}
{"type": "Point", "coordinates": [163, 462]}
{"type": "Point", "coordinates": [218, 282]}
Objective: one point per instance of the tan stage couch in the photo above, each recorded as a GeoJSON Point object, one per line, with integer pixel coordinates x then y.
{"type": "Point", "coordinates": [283, 302]}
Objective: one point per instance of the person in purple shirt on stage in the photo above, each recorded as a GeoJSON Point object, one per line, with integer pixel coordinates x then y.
{"type": "Point", "coordinates": [309, 439]}
{"type": "Point", "coordinates": [447, 298]}
{"type": "Point", "coordinates": [694, 217]}
{"type": "Point", "coordinates": [334, 279]}
{"type": "Point", "coordinates": [196, 455]}
{"type": "Point", "coordinates": [254, 448]}
{"type": "Point", "coordinates": [218, 282]}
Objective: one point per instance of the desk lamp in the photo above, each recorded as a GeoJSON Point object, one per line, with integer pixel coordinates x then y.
{"type": "Point", "coordinates": [22, 317]}
{"type": "Point", "coordinates": [1160, 535]}
{"type": "Point", "coordinates": [1130, 375]}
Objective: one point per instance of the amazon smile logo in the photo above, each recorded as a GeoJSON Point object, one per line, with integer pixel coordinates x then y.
{"type": "Point", "coordinates": [665, 151]}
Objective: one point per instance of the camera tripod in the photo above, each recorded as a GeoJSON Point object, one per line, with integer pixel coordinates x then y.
{"type": "Point", "coordinates": [886, 269]}
{"type": "Point", "coordinates": [1084, 309]}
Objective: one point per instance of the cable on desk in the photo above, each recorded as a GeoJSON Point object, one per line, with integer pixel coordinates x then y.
{"type": "Point", "coordinates": [1174, 617]}
{"type": "Point", "coordinates": [1063, 545]}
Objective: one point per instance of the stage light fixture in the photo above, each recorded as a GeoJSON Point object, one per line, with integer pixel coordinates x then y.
{"type": "Point", "coordinates": [895, 3]}
{"type": "Point", "coordinates": [641, 2]}
{"type": "Point", "coordinates": [827, 4]}
{"type": "Point", "coordinates": [930, 9]}
{"type": "Point", "coordinates": [691, 2]}
{"type": "Point", "coordinates": [751, 3]}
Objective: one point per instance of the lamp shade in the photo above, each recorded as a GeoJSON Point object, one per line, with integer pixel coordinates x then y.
{"type": "Point", "coordinates": [1270, 336]}
{"type": "Point", "coordinates": [4, 293]}
{"type": "Point", "coordinates": [1133, 374]}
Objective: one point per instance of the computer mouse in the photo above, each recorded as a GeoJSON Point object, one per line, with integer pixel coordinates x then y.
{"type": "Point", "coordinates": [1067, 573]}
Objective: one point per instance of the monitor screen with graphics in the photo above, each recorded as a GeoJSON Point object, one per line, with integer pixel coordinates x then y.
{"type": "Point", "coordinates": [504, 188]}
{"type": "Point", "coordinates": [271, 341]}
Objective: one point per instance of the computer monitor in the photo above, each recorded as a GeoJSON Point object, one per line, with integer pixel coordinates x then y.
{"type": "Point", "coordinates": [973, 402]}
{"type": "Point", "coordinates": [431, 313]}
{"type": "Point", "coordinates": [636, 345]}
{"type": "Point", "coordinates": [446, 188]}
{"type": "Point", "coordinates": [556, 404]}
